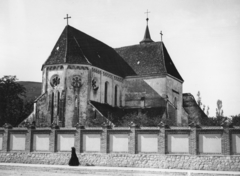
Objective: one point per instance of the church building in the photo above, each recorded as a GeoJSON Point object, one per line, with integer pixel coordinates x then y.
{"type": "Point", "coordinates": [85, 78]}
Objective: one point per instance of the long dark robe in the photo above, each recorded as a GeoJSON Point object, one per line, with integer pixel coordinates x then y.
{"type": "Point", "coordinates": [74, 159]}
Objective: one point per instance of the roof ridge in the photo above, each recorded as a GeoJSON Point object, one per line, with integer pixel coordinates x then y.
{"type": "Point", "coordinates": [162, 52]}
{"type": "Point", "coordinates": [176, 74]}
{"type": "Point", "coordinates": [138, 45]}
{"type": "Point", "coordinates": [90, 36]}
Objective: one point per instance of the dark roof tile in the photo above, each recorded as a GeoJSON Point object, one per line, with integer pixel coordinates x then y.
{"type": "Point", "coordinates": [149, 59]}
{"type": "Point", "coordinates": [76, 47]}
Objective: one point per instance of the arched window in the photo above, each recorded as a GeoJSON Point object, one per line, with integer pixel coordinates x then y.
{"type": "Point", "coordinates": [58, 103]}
{"type": "Point", "coordinates": [106, 92]}
{"type": "Point", "coordinates": [116, 95]}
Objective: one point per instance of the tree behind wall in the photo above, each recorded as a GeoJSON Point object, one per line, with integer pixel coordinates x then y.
{"type": "Point", "coordinates": [219, 120]}
{"type": "Point", "coordinates": [13, 109]}
{"type": "Point", "coordinates": [236, 120]}
{"type": "Point", "coordinates": [219, 111]}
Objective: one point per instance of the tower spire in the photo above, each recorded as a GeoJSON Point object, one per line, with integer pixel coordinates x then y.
{"type": "Point", "coordinates": [147, 37]}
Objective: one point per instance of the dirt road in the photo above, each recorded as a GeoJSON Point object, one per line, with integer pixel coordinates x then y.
{"type": "Point", "coordinates": [12, 169]}
{"type": "Point", "coordinates": [47, 171]}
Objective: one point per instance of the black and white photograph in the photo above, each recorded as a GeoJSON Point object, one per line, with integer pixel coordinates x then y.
{"type": "Point", "coordinates": [119, 87]}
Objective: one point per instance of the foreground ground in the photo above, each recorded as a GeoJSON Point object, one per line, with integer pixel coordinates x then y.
{"type": "Point", "coordinates": [53, 170]}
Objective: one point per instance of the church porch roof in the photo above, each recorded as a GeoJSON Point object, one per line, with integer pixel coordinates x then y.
{"type": "Point", "coordinates": [116, 114]}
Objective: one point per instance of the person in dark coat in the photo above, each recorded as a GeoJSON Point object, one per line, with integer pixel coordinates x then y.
{"type": "Point", "coordinates": [74, 159]}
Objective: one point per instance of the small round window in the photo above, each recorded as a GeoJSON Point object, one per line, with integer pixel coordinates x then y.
{"type": "Point", "coordinates": [76, 81]}
{"type": "Point", "coordinates": [55, 81]}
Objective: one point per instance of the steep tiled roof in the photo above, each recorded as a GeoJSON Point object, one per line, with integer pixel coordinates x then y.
{"type": "Point", "coordinates": [76, 47]}
{"type": "Point", "coordinates": [149, 59]}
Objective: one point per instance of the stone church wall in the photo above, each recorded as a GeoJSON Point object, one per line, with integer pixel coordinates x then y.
{"type": "Point", "coordinates": [95, 92]}
{"type": "Point", "coordinates": [158, 85]}
{"type": "Point", "coordinates": [70, 102]}
{"type": "Point", "coordinates": [106, 77]}
{"type": "Point", "coordinates": [100, 77]}
{"type": "Point", "coordinates": [44, 76]}
{"type": "Point", "coordinates": [141, 92]}
{"type": "Point", "coordinates": [76, 98]}
{"type": "Point", "coordinates": [174, 92]}
{"type": "Point", "coordinates": [44, 103]}
{"type": "Point", "coordinates": [43, 113]}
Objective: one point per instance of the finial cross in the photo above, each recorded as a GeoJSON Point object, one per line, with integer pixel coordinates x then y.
{"type": "Point", "coordinates": [67, 18]}
{"type": "Point", "coordinates": [161, 35]}
{"type": "Point", "coordinates": [147, 12]}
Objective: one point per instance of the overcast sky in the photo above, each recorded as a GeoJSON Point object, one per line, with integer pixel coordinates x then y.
{"type": "Point", "coordinates": [201, 36]}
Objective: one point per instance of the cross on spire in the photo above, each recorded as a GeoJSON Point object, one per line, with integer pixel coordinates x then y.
{"type": "Point", "coordinates": [67, 19]}
{"type": "Point", "coordinates": [147, 12]}
{"type": "Point", "coordinates": [161, 35]}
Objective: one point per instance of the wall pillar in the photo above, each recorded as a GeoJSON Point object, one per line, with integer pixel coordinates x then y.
{"type": "Point", "coordinates": [162, 141]}
{"type": "Point", "coordinates": [6, 141]}
{"type": "Point", "coordinates": [104, 141]}
{"type": "Point", "coordinates": [193, 147]}
{"type": "Point", "coordinates": [53, 141]}
{"type": "Point", "coordinates": [29, 140]}
{"type": "Point", "coordinates": [132, 142]}
{"type": "Point", "coordinates": [226, 142]}
{"type": "Point", "coordinates": [78, 140]}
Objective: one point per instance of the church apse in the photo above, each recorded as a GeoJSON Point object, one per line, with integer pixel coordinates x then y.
{"type": "Point", "coordinates": [64, 101]}
{"type": "Point", "coordinates": [77, 84]}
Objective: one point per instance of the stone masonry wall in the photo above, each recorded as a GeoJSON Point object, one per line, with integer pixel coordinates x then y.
{"type": "Point", "coordinates": [220, 163]}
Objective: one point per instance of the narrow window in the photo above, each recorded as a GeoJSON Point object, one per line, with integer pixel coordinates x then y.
{"type": "Point", "coordinates": [142, 102]}
{"type": "Point", "coordinates": [106, 92]}
{"type": "Point", "coordinates": [116, 95]}
{"type": "Point", "coordinates": [175, 102]}
{"type": "Point", "coordinates": [52, 108]}
{"type": "Point", "coordinates": [58, 103]}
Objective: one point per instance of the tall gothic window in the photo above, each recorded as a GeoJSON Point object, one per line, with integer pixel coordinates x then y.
{"type": "Point", "coordinates": [106, 92]}
{"type": "Point", "coordinates": [58, 103]}
{"type": "Point", "coordinates": [52, 107]}
{"type": "Point", "coordinates": [116, 95]}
